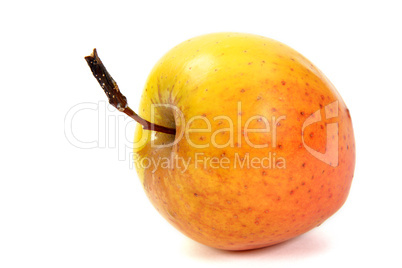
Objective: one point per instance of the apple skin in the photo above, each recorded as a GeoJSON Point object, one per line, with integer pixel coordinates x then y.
{"type": "Point", "coordinates": [236, 208]}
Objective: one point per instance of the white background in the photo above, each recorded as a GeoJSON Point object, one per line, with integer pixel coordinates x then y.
{"type": "Point", "coordinates": [64, 206]}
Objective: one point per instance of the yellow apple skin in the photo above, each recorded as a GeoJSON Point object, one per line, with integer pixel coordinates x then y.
{"type": "Point", "coordinates": [240, 208]}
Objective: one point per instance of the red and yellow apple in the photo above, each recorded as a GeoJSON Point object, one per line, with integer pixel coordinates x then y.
{"type": "Point", "coordinates": [264, 147]}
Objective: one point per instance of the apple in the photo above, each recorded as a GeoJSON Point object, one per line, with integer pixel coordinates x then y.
{"type": "Point", "coordinates": [256, 145]}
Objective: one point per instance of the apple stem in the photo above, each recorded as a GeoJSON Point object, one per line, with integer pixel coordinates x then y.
{"type": "Point", "coordinates": [116, 98]}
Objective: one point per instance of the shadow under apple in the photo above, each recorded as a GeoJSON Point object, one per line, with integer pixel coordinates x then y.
{"type": "Point", "coordinates": [304, 246]}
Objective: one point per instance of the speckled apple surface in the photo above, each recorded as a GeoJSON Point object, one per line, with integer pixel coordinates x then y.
{"type": "Point", "coordinates": [244, 97]}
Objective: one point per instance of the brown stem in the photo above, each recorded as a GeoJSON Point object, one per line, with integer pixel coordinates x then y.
{"type": "Point", "coordinates": [116, 98]}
